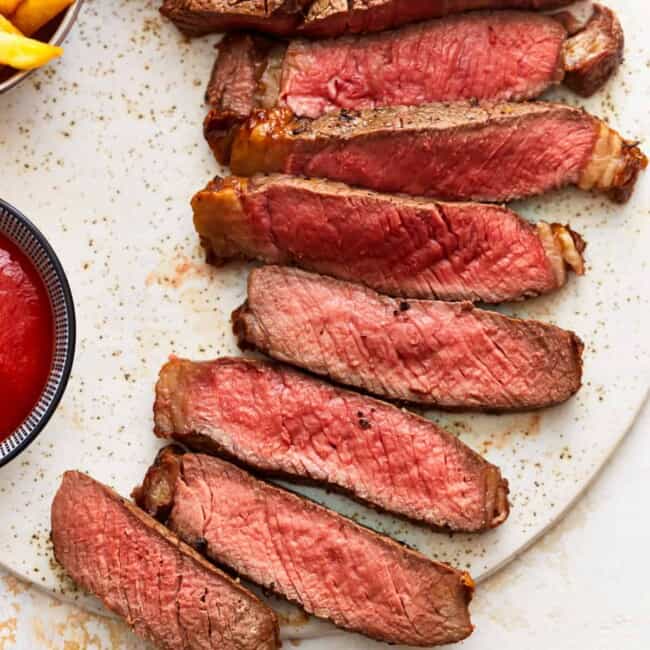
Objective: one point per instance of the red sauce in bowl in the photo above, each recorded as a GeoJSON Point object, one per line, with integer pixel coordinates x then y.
{"type": "Point", "coordinates": [26, 337]}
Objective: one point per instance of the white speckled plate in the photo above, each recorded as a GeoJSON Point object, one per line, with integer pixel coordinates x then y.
{"type": "Point", "coordinates": [103, 150]}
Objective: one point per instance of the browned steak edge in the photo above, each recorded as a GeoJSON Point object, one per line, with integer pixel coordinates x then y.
{"type": "Point", "coordinates": [601, 43]}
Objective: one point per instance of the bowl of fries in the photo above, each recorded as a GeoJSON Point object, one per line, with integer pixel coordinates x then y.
{"type": "Point", "coordinates": [31, 33]}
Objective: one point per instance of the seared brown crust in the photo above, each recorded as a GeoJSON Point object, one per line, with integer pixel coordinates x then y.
{"type": "Point", "coordinates": [156, 494]}
{"type": "Point", "coordinates": [238, 53]}
{"type": "Point", "coordinates": [219, 130]}
{"type": "Point", "coordinates": [635, 161]}
{"type": "Point", "coordinates": [197, 17]}
{"type": "Point", "coordinates": [594, 53]}
{"type": "Point", "coordinates": [614, 165]}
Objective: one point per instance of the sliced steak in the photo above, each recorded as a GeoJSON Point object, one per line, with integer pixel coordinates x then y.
{"type": "Point", "coordinates": [280, 422]}
{"type": "Point", "coordinates": [166, 592]}
{"type": "Point", "coordinates": [506, 56]}
{"type": "Point", "coordinates": [402, 246]}
{"type": "Point", "coordinates": [450, 355]}
{"type": "Point", "coordinates": [334, 568]}
{"type": "Point", "coordinates": [322, 17]}
{"type": "Point", "coordinates": [197, 17]}
{"type": "Point", "coordinates": [447, 151]}
{"type": "Point", "coordinates": [501, 55]}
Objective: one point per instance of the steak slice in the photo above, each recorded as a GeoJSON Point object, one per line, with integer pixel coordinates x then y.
{"type": "Point", "coordinates": [505, 55]}
{"type": "Point", "coordinates": [166, 592]}
{"type": "Point", "coordinates": [280, 422]}
{"type": "Point", "coordinates": [450, 355]}
{"type": "Point", "coordinates": [334, 568]}
{"type": "Point", "coordinates": [197, 17]}
{"type": "Point", "coordinates": [322, 17]}
{"type": "Point", "coordinates": [447, 151]}
{"type": "Point", "coordinates": [501, 55]}
{"type": "Point", "coordinates": [398, 245]}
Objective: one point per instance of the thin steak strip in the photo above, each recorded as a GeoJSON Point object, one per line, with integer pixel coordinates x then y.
{"type": "Point", "coordinates": [280, 422]}
{"type": "Point", "coordinates": [334, 568]}
{"type": "Point", "coordinates": [322, 17]}
{"type": "Point", "coordinates": [450, 355]}
{"type": "Point", "coordinates": [398, 245]}
{"type": "Point", "coordinates": [448, 151]}
{"type": "Point", "coordinates": [505, 56]}
{"type": "Point", "coordinates": [163, 589]}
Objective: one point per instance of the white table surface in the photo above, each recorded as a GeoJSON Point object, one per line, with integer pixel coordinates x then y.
{"type": "Point", "coordinates": [582, 587]}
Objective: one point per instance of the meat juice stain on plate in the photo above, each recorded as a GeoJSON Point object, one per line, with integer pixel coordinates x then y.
{"type": "Point", "coordinates": [517, 425]}
{"type": "Point", "coordinates": [494, 431]}
{"type": "Point", "coordinates": [26, 337]}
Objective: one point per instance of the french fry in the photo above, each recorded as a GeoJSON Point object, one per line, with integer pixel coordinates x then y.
{"type": "Point", "coordinates": [7, 7]}
{"type": "Point", "coordinates": [7, 26]}
{"type": "Point", "coordinates": [31, 15]}
{"type": "Point", "coordinates": [25, 53]}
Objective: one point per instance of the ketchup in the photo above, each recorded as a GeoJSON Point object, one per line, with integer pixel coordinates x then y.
{"type": "Point", "coordinates": [26, 337]}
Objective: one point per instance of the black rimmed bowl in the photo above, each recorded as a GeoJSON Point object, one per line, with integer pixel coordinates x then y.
{"type": "Point", "coordinates": [22, 232]}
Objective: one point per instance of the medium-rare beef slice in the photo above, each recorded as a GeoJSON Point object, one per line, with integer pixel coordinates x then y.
{"type": "Point", "coordinates": [334, 568]}
{"type": "Point", "coordinates": [321, 17]}
{"type": "Point", "coordinates": [450, 355]}
{"type": "Point", "coordinates": [485, 152]}
{"type": "Point", "coordinates": [588, 58]}
{"type": "Point", "coordinates": [398, 245]}
{"type": "Point", "coordinates": [166, 592]}
{"type": "Point", "coordinates": [495, 55]}
{"type": "Point", "coordinates": [507, 55]}
{"type": "Point", "coordinates": [197, 17]}
{"type": "Point", "coordinates": [280, 422]}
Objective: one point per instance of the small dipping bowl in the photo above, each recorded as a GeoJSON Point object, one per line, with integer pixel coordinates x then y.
{"type": "Point", "coordinates": [20, 231]}
{"type": "Point", "coordinates": [53, 33]}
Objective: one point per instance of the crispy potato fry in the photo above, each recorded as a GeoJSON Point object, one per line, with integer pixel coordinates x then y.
{"type": "Point", "coordinates": [31, 15]}
{"type": "Point", "coordinates": [25, 53]}
{"type": "Point", "coordinates": [6, 26]}
{"type": "Point", "coordinates": [7, 7]}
